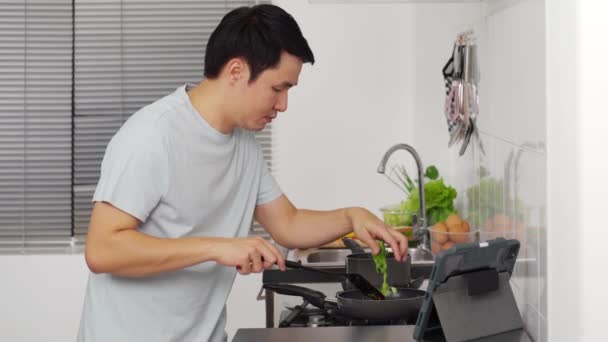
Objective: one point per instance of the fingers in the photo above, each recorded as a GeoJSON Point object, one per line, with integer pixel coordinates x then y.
{"type": "Point", "coordinates": [271, 255]}
{"type": "Point", "coordinates": [257, 265]}
{"type": "Point", "coordinates": [268, 256]}
{"type": "Point", "coordinates": [280, 259]}
{"type": "Point", "coordinates": [260, 255]}
{"type": "Point", "coordinates": [244, 267]}
{"type": "Point", "coordinates": [402, 241]}
{"type": "Point", "coordinates": [386, 235]}
{"type": "Point", "coordinates": [366, 237]}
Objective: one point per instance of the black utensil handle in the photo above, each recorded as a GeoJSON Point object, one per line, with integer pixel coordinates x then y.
{"type": "Point", "coordinates": [315, 298]}
{"type": "Point", "coordinates": [365, 287]}
{"type": "Point", "coordinates": [293, 264]}
{"type": "Point", "coordinates": [352, 245]}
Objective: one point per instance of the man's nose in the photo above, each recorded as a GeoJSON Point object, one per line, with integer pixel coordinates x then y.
{"type": "Point", "coordinates": [281, 104]}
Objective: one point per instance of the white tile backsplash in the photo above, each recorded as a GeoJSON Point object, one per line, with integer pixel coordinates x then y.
{"type": "Point", "coordinates": [543, 328]}
{"type": "Point", "coordinates": [532, 322]}
{"type": "Point", "coordinates": [511, 202]}
{"type": "Point", "coordinates": [512, 97]}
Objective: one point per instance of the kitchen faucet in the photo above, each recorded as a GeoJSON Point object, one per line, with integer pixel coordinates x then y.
{"type": "Point", "coordinates": [511, 180]}
{"type": "Point", "coordinates": [419, 229]}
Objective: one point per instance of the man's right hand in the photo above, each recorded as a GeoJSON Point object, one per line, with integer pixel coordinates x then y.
{"type": "Point", "coordinates": [252, 254]}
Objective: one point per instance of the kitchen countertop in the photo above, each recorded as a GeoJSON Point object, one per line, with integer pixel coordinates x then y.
{"type": "Point", "coordinates": [394, 333]}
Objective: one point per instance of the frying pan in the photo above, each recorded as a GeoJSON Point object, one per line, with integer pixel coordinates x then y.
{"type": "Point", "coordinates": [404, 305]}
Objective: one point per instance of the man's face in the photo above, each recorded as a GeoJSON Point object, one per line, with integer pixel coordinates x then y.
{"type": "Point", "coordinates": [261, 100]}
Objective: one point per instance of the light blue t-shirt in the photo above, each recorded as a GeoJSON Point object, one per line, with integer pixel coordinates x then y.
{"type": "Point", "coordinates": [170, 169]}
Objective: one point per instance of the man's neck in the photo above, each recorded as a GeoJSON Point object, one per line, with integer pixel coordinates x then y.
{"type": "Point", "coordinates": [208, 101]}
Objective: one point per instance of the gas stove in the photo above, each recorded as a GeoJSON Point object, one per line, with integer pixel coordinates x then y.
{"type": "Point", "coordinates": [312, 317]}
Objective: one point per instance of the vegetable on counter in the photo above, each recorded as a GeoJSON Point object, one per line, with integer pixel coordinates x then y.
{"type": "Point", "coordinates": [453, 230]}
{"type": "Point", "coordinates": [486, 202]}
{"type": "Point", "coordinates": [439, 201]}
{"type": "Point", "coordinates": [439, 198]}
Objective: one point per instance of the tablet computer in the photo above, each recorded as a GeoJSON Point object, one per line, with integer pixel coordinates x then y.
{"type": "Point", "coordinates": [471, 274]}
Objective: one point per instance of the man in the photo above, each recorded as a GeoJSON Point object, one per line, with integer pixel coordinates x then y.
{"type": "Point", "coordinates": [181, 182]}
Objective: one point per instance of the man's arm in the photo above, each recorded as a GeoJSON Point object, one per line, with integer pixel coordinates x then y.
{"type": "Point", "coordinates": [114, 245]}
{"type": "Point", "coordinates": [300, 228]}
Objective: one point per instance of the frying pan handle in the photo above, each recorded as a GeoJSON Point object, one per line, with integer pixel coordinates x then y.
{"type": "Point", "coordinates": [293, 264]}
{"type": "Point", "coordinates": [353, 245]}
{"type": "Point", "coordinates": [297, 265]}
{"type": "Point", "coordinates": [315, 298]}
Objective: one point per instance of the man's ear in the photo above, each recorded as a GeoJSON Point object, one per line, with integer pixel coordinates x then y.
{"type": "Point", "coordinates": [237, 69]}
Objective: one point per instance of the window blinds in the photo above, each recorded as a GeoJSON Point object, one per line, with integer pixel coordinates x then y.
{"type": "Point", "coordinates": [35, 122]}
{"type": "Point", "coordinates": [71, 73]}
{"type": "Point", "coordinates": [128, 54]}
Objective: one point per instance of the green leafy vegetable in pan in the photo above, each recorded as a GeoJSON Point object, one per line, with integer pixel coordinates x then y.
{"type": "Point", "coordinates": [381, 267]}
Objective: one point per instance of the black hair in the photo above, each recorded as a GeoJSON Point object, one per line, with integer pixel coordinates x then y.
{"type": "Point", "coordinates": [257, 34]}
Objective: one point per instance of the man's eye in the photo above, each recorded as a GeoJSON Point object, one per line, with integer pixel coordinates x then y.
{"type": "Point", "coordinates": [276, 90]}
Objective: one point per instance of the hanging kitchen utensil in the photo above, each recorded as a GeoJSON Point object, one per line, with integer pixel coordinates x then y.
{"type": "Point", "coordinates": [451, 108]}
{"type": "Point", "coordinates": [357, 280]}
{"type": "Point", "coordinates": [467, 137]}
{"type": "Point", "coordinates": [461, 107]}
{"type": "Point", "coordinates": [448, 71]}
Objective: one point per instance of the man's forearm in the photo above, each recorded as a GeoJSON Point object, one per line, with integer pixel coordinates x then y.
{"type": "Point", "coordinates": [312, 228]}
{"type": "Point", "coordinates": [134, 254]}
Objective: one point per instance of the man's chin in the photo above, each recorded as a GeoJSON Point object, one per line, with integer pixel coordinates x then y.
{"type": "Point", "coordinates": [257, 128]}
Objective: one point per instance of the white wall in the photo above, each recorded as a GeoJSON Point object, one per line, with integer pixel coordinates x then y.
{"type": "Point", "coordinates": [564, 246]}
{"type": "Point", "coordinates": [514, 128]}
{"type": "Point", "coordinates": [592, 114]}
{"type": "Point", "coordinates": [348, 108]}
{"type": "Point", "coordinates": [377, 73]}
{"type": "Point", "coordinates": [41, 297]}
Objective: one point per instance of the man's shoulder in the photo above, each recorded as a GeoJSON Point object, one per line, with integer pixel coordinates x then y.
{"type": "Point", "coordinates": [151, 121]}
{"type": "Point", "coordinates": [158, 109]}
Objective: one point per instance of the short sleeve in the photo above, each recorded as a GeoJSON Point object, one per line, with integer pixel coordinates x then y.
{"type": "Point", "coordinates": [269, 189]}
{"type": "Point", "coordinates": [134, 175]}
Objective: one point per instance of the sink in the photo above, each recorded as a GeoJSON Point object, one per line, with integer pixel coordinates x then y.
{"type": "Point", "coordinates": [337, 257]}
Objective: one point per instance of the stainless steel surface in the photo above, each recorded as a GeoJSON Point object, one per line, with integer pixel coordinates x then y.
{"type": "Point", "coordinates": [315, 321]}
{"type": "Point", "coordinates": [321, 256]}
{"type": "Point", "coordinates": [420, 229]}
{"type": "Point", "coordinates": [396, 333]}
{"type": "Point", "coordinates": [421, 256]}
{"type": "Point", "coordinates": [337, 257]}
{"type": "Point", "coordinates": [401, 333]}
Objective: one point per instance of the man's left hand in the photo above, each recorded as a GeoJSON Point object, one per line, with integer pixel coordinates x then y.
{"type": "Point", "coordinates": [368, 228]}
